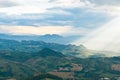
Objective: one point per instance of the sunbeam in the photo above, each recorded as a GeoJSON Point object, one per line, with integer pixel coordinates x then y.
{"type": "Point", "coordinates": [107, 37]}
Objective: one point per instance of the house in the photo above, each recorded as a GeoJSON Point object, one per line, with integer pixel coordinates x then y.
{"type": "Point", "coordinates": [64, 75]}
{"type": "Point", "coordinates": [117, 78]}
{"type": "Point", "coordinates": [76, 67]}
{"type": "Point", "coordinates": [73, 67]}
{"type": "Point", "coordinates": [11, 79]}
{"type": "Point", "coordinates": [105, 78]}
{"type": "Point", "coordinates": [115, 67]}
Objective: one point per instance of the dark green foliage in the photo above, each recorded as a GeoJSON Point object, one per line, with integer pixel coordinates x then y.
{"type": "Point", "coordinates": [48, 52]}
{"type": "Point", "coordinates": [44, 76]}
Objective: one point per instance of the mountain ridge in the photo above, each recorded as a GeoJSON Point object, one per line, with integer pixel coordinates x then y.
{"type": "Point", "coordinates": [46, 52]}
{"type": "Point", "coordinates": [51, 38]}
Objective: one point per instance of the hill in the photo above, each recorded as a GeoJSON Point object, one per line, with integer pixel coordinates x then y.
{"type": "Point", "coordinates": [46, 52]}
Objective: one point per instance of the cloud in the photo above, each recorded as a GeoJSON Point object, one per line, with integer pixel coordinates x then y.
{"type": "Point", "coordinates": [22, 10]}
{"type": "Point", "coordinates": [105, 2]}
{"type": "Point", "coordinates": [7, 3]}
{"type": "Point", "coordinates": [71, 3]}
{"type": "Point", "coordinates": [25, 7]}
{"type": "Point", "coordinates": [70, 17]}
{"type": "Point", "coordinates": [38, 6]}
{"type": "Point", "coordinates": [110, 7]}
{"type": "Point", "coordinates": [18, 7]}
{"type": "Point", "coordinates": [110, 10]}
{"type": "Point", "coordinates": [31, 7]}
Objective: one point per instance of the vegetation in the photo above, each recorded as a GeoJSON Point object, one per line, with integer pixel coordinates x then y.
{"type": "Point", "coordinates": [21, 60]}
{"type": "Point", "coordinates": [45, 77]}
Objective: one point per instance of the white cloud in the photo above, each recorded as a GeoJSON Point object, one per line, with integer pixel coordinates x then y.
{"type": "Point", "coordinates": [7, 3]}
{"type": "Point", "coordinates": [40, 6]}
{"type": "Point", "coordinates": [26, 7]}
{"type": "Point", "coordinates": [22, 10]}
{"type": "Point", "coordinates": [105, 2]}
{"type": "Point", "coordinates": [101, 6]}
{"type": "Point", "coordinates": [71, 3]}
{"type": "Point", "coordinates": [108, 9]}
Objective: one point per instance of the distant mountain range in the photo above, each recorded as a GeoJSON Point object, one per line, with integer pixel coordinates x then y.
{"type": "Point", "coordinates": [51, 38]}
{"type": "Point", "coordinates": [34, 46]}
{"type": "Point", "coordinates": [31, 46]}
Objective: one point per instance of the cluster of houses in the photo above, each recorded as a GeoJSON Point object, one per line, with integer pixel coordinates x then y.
{"type": "Point", "coordinates": [115, 67]}
{"type": "Point", "coordinates": [67, 72]}
{"type": "Point", "coordinates": [106, 78]}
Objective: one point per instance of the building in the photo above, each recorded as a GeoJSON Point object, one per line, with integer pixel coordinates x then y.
{"type": "Point", "coordinates": [105, 78]}
{"type": "Point", "coordinates": [76, 67]}
{"type": "Point", "coordinates": [11, 79]}
{"type": "Point", "coordinates": [115, 67]}
{"type": "Point", "coordinates": [64, 75]}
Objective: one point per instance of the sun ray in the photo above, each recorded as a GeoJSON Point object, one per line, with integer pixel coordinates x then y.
{"type": "Point", "coordinates": [106, 37]}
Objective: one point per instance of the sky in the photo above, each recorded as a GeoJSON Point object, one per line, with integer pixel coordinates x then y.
{"type": "Point", "coordinates": [88, 18]}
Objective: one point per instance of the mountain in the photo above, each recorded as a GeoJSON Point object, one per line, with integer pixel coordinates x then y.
{"type": "Point", "coordinates": [14, 69]}
{"type": "Point", "coordinates": [46, 52]}
{"type": "Point", "coordinates": [35, 46]}
{"type": "Point", "coordinates": [46, 77]}
{"type": "Point", "coordinates": [51, 38]}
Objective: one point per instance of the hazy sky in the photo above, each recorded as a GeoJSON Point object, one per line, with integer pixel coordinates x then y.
{"type": "Point", "coordinates": [90, 18]}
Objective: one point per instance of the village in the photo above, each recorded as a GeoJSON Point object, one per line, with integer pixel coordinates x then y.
{"type": "Point", "coordinates": [67, 72]}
